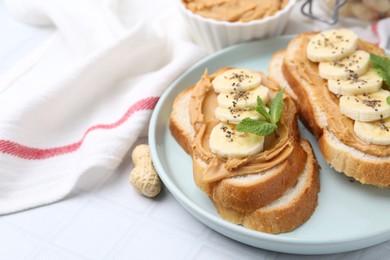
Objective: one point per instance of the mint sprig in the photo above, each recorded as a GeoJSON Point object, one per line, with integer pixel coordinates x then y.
{"type": "Point", "coordinates": [382, 67]}
{"type": "Point", "coordinates": [268, 125]}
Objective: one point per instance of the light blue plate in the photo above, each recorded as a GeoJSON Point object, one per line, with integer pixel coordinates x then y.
{"type": "Point", "coordinates": [349, 216]}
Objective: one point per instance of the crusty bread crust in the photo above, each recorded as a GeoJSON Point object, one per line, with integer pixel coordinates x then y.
{"type": "Point", "coordinates": [248, 196]}
{"type": "Point", "coordinates": [179, 121]}
{"type": "Point", "coordinates": [288, 212]}
{"type": "Point", "coordinates": [276, 74]}
{"type": "Point", "coordinates": [365, 168]}
{"type": "Point", "coordinates": [245, 194]}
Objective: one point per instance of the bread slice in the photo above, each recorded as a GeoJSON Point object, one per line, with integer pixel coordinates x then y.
{"type": "Point", "coordinates": [179, 123]}
{"type": "Point", "coordinates": [276, 74]}
{"type": "Point", "coordinates": [246, 194]}
{"type": "Point", "coordinates": [365, 168]}
{"type": "Point", "coordinates": [290, 210]}
{"type": "Point", "coordinates": [318, 108]}
{"type": "Point", "coordinates": [250, 192]}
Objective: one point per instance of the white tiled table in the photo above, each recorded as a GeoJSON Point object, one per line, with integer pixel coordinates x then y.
{"type": "Point", "coordinates": [104, 218]}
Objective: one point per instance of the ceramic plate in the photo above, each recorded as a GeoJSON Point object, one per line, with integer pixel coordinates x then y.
{"type": "Point", "coordinates": [349, 216]}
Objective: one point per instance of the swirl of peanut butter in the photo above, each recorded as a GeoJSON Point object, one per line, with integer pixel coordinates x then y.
{"type": "Point", "coordinates": [235, 10]}
{"type": "Point", "coordinates": [276, 150]}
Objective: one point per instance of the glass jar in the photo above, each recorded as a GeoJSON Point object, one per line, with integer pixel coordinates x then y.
{"type": "Point", "coordinates": [365, 10]}
{"type": "Point", "coordinates": [352, 12]}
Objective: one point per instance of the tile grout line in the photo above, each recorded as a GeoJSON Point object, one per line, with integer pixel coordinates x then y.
{"type": "Point", "coordinates": [199, 243]}
{"type": "Point", "coordinates": [120, 243]}
{"type": "Point", "coordinates": [49, 240]}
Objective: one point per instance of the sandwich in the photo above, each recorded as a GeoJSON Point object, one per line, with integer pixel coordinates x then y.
{"type": "Point", "coordinates": [241, 132]}
{"type": "Point", "coordinates": [339, 82]}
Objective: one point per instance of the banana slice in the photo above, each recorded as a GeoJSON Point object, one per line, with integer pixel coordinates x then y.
{"type": "Point", "coordinates": [236, 80]}
{"type": "Point", "coordinates": [366, 107]}
{"type": "Point", "coordinates": [331, 45]}
{"type": "Point", "coordinates": [228, 143]}
{"type": "Point", "coordinates": [349, 67]}
{"type": "Point", "coordinates": [232, 116]}
{"type": "Point", "coordinates": [369, 82]}
{"type": "Point", "coordinates": [377, 132]}
{"type": "Point", "coordinates": [242, 99]}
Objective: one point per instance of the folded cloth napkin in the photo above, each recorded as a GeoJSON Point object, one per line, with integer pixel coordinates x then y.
{"type": "Point", "coordinates": [381, 30]}
{"type": "Point", "coordinates": [82, 98]}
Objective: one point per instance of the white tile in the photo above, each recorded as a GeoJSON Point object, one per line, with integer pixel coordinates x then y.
{"type": "Point", "coordinates": [170, 212]}
{"type": "Point", "coordinates": [53, 252]}
{"type": "Point", "coordinates": [219, 238]}
{"type": "Point", "coordinates": [44, 221]}
{"type": "Point", "coordinates": [206, 252]}
{"type": "Point", "coordinates": [94, 230]}
{"type": "Point", "coordinates": [386, 244]}
{"type": "Point", "coordinates": [118, 189]}
{"type": "Point", "coordinates": [15, 244]}
{"type": "Point", "coordinates": [233, 247]}
{"type": "Point", "coordinates": [166, 245]}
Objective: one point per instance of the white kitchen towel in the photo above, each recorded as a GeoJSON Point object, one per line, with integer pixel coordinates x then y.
{"type": "Point", "coordinates": [382, 30]}
{"type": "Point", "coordinates": [377, 32]}
{"type": "Point", "coordinates": [84, 96]}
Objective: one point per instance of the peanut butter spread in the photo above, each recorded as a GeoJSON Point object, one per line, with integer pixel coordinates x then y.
{"type": "Point", "coordinates": [276, 150]}
{"type": "Point", "coordinates": [340, 125]}
{"type": "Point", "coordinates": [235, 10]}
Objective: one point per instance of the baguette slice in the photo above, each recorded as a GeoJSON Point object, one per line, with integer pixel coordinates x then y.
{"type": "Point", "coordinates": [354, 159]}
{"type": "Point", "coordinates": [243, 195]}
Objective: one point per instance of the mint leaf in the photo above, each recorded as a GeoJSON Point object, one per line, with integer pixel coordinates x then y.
{"type": "Point", "coordinates": [261, 109]}
{"type": "Point", "coordinates": [267, 125]}
{"type": "Point", "coordinates": [276, 107]}
{"type": "Point", "coordinates": [257, 127]}
{"type": "Point", "coordinates": [381, 66]}
{"type": "Point", "coordinates": [388, 100]}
